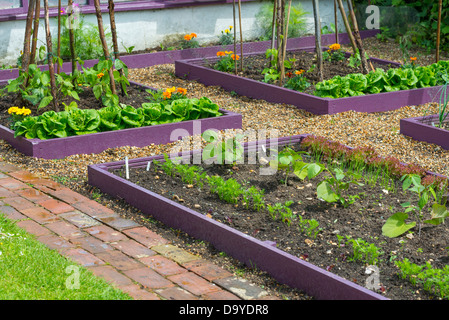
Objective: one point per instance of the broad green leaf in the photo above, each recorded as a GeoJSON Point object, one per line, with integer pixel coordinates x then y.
{"type": "Point", "coordinates": [395, 225]}
{"type": "Point", "coordinates": [45, 102]}
{"type": "Point", "coordinates": [438, 214]}
{"type": "Point", "coordinates": [325, 192]}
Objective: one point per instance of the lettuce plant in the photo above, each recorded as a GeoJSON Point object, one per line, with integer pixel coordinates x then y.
{"type": "Point", "coordinates": [52, 124]}
{"type": "Point", "coordinates": [394, 79]}
{"type": "Point", "coordinates": [83, 121]}
{"type": "Point", "coordinates": [110, 118]}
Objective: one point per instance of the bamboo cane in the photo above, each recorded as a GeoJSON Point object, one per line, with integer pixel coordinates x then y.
{"type": "Point", "coordinates": [358, 39]}
{"type": "Point", "coordinates": [347, 26]}
{"type": "Point", "coordinates": [235, 36]}
{"type": "Point", "coordinates": [58, 50]}
{"type": "Point", "coordinates": [114, 35]}
{"type": "Point", "coordinates": [37, 13]}
{"type": "Point", "coordinates": [319, 53]}
{"type": "Point", "coordinates": [284, 48]}
{"type": "Point", "coordinates": [336, 21]}
{"type": "Point", "coordinates": [104, 43]}
{"type": "Point", "coordinates": [437, 55]}
{"type": "Point", "coordinates": [71, 38]}
{"type": "Point", "coordinates": [241, 35]}
{"type": "Point", "coordinates": [51, 69]}
{"type": "Point", "coordinates": [28, 31]}
{"type": "Point", "coordinates": [273, 28]}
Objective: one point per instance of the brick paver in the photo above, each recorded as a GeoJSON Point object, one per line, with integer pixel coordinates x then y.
{"type": "Point", "coordinates": [126, 254]}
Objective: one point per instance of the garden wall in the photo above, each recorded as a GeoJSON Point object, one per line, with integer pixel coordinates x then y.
{"type": "Point", "coordinates": [145, 24]}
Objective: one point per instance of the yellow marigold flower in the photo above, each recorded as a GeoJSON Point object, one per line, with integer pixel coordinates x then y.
{"type": "Point", "coordinates": [220, 54]}
{"type": "Point", "coordinates": [26, 111]}
{"type": "Point", "coordinates": [13, 110]}
{"type": "Point", "coordinates": [100, 75]}
{"type": "Point", "coordinates": [167, 95]}
{"type": "Point", "coordinates": [230, 27]}
{"type": "Point", "coordinates": [235, 56]}
{"type": "Point", "coordinates": [182, 91]}
{"type": "Point", "coordinates": [227, 31]}
{"type": "Point", "coordinates": [187, 37]}
{"type": "Point", "coordinates": [171, 90]}
{"type": "Point", "coordinates": [229, 52]}
{"type": "Point", "coordinates": [193, 35]}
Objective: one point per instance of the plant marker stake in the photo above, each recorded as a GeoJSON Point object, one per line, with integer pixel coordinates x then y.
{"type": "Point", "coordinates": [148, 165]}
{"type": "Point", "coordinates": [126, 168]}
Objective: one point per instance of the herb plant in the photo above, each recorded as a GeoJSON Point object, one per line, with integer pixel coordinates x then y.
{"type": "Point", "coordinates": [433, 280]}
{"type": "Point", "coordinates": [363, 251]}
{"type": "Point", "coordinates": [282, 211]}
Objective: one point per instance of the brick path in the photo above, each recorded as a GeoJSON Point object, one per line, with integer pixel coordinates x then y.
{"type": "Point", "coordinates": [126, 254]}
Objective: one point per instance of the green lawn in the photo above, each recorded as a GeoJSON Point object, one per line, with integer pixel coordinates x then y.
{"type": "Point", "coordinates": [29, 270]}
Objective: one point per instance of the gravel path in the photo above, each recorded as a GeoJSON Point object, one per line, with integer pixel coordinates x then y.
{"type": "Point", "coordinates": [379, 130]}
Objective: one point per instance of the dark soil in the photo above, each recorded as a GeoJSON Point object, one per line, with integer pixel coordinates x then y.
{"type": "Point", "coordinates": [363, 219]}
{"type": "Point", "coordinates": [255, 64]}
{"type": "Point", "coordinates": [435, 122]}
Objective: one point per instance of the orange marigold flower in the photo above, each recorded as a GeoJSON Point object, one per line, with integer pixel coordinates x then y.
{"type": "Point", "coordinates": [335, 46]}
{"type": "Point", "coordinates": [171, 90]}
{"type": "Point", "coordinates": [167, 95]}
{"type": "Point", "coordinates": [235, 56]}
{"type": "Point", "coordinates": [193, 35]}
{"type": "Point", "coordinates": [100, 75]}
{"type": "Point", "coordinates": [220, 54]}
{"type": "Point", "coordinates": [187, 37]}
{"type": "Point", "coordinates": [289, 74]}
{"type": "Point", "coordinates": [413, 58]}
{"type": "Point", "coordinates": [299, 72]}
{"type": "Point", "coordinates": [182, 91]}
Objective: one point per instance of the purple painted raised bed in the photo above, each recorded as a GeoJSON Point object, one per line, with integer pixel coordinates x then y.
{"type": "Point", "coordinates": [193, 69]}
{"type": "Point", "coordinates": [421, 129]}
{"type": "Point", "coordinates": [165, 57]}
{"type": "Point", "coordinates": [282, 266]}
{"type": "Point", "coordinates": [139, 137]}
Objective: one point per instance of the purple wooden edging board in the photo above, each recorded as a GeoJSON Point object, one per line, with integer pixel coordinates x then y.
{"type": "Point", "coordinates": [168, 57]}
{"type": "Point", "coordinates": [282, 266]}
{"type": "Point", "coordinates": [421, 131]}
{"type": "Point", "coordinates": [59, 148]}
{"type": "Point", "coordinates": [193, 69]}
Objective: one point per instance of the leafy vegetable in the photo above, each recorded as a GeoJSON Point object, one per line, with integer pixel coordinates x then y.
{"type": "Point", "coordinates": [52, 125]}
{"type": "Point", "coordinates": [394, 79]}
{"type": "Point", "coordinates": [110, 118]}
{"type": "Point", "coordinates": [83, 121]}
